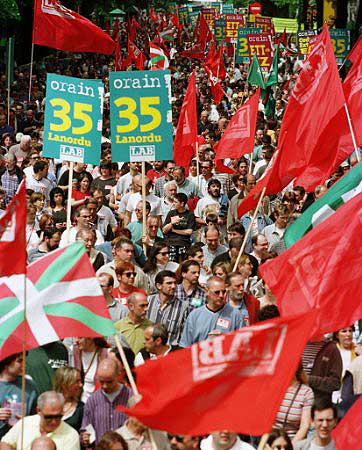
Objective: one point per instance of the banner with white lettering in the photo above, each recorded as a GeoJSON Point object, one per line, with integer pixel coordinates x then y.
{"type": "Point", "coordinates": [73, 119]}
{"type": "Point", "coordinates": [141, 115]}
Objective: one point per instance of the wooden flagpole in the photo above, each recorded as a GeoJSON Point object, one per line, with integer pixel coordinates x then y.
{"type": "Point", "coordinates": [132, 382]}
{"type": "Point", "coordinates": [144, 203]}
{"type": "Point", "coordinates": [249, 229]}
{"type": "Point", "coordinates": [69, 201]}
{"type": "Point", "coordinates": [352, 133]}
{"type": "Point", "coordinates": [23, 379]}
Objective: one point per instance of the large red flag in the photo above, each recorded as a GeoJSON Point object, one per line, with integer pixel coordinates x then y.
{"type": "Point", "coordinates": [58, 27]}
{"type": "Point", "coordinates": [220, 375]}
{"type": "Point", "coordinates": [348, 433]}
{"type": "Point", "coordinates": [322, 271]}
{"type": "Point", "coordinates": [217, 91]}
{"type": "Point", "coordinates": [153, 15]}
{"type": "Point", "coordinates": [137, 56]}
{"type": "Point", "coordinates": [311, 126]}
{"type": "Point", "coordinates": [238, 137]}
{"type": "Point", "coordinates": [186, 133]}
{"type": "Point", "coordinates": [13, 235]}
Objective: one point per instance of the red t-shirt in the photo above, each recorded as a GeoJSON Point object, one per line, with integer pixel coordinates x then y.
{"type": "Point", "coordinates": [153, 175]}
{"type": "Point", "coordinates": [78, 195]}
{"type": "Point", "coordinates": [123, 296]}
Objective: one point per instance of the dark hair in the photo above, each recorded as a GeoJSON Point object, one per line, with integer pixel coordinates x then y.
{"type": "Point", "coordinates": [299, 189]}
{"type": "Point", "coordinates": [50, 232]}
{"type": "Point", "coordinates": [151, 263]}
{"type": "Point", "coordinates": [109, 438]}
{"type": "Point", "coordinates": [213, 181]}
{"type": "Point", "coordinates": [184, 267]}
{"type": "Point", "coordinates": [335, 334]}
{"type": "Point", "coordinates": [159, 330]}
{"type": "Point", "coordinates": [162, 275]}
{"type": "Point", "coordinates": [235, 243]}
{"type": "Point", "coordinates": [322, 403]}
{"type": "Point", "coordinates": [130, 357]}
{"type": "Point", "coordinates": [193, 250]}
{"type": "Point", "coordinates": [237, 227]}
{"type": "Point", "coordinates": [39, 165]}
{"type": "Point", "coordinates": [7, 361]}
{"type": "Point", "coordinates": [181, 197]}
{"type": "Point", "coordinates": [275, 434]}
{"type": "Point", "coordinates": [52, 193]}
{"type": "Point", "coordinates": [268, 312]}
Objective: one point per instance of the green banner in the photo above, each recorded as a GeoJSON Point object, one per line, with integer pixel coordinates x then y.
{"type": "Point", "coordinates": [73, 119]}
{"type": "Point", "coordinates": [9, 60]}
{"type": "Point", "coordinates": [219, 30]}
{"type": "Point", "coordinates": [242, 49]}
{"type": "Point", "coordinates": [341, 42]}
{"type": "Point", "coordinates": [193, 18]}
{"type": "Point", "coordinates": [228, 9]}
{"type": "Point", "coordinates": [141, 117]}
{"type": "Point", "coordinates": [183, 14]}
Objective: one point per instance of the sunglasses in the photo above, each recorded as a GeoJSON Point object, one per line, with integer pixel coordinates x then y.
{"type": "Point", "coordinates": [219, 291]}
{"type": "Point", "coordinates": [129, 274]}
{"type": "Point", "coordinates": [173, 436]}
{"type": "Point", "coordinates": [55, 417]}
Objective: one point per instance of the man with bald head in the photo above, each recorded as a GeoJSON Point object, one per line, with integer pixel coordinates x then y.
{"type": "Point", "coordinates": [213, 318]}
{"type": "Point", "coordinates": [100, 409]}
{"type": "Point", "coordinates": [43, 443]}
{"type": "Point", "coordinates": [48, 422]}
{"type": "Point", "coordinates": [134, 199]}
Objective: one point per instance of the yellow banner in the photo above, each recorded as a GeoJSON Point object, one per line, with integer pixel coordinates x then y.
{"type": "Point", "coordinates": [291, 25]}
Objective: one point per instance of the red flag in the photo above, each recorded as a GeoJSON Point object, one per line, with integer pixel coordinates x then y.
{"type": "Point", "coordinates": [202, 33]}
{"type": "Point", "coordinates": [228, 371]}
{"type": "Point", "coordinates": [282, 39]}
{"type": "Point", "coordinates": [136, 24]}
{"type": "Point", "coordinates": [194, 52]}
{"type": "Point", "coordinates": [13, 235]}
{"type": "Point", "coordinates": [217, 91]}
{"type": "Point", "coordinates": [238, 137]}
{"type": "Point", "coordinates": [216, 63]}
{"type": "Point", "coordinates": [175, 21]}
{"type": "Point", "coordinates": [221, 168]}
{"type": "Point", "coordinates": [310, 131]}
{"type": "Point", "coordinates": [153, 15]}
{"type": "Point", "coordinates": [186, 133]}
{"type": "Point", "coordinates": [352, 87]}
{"type": "Point", "coordinates": [131, 30]}
{"type": "Point", "coordinates": [137, 56]}
{"type": "Point", "coordinates": [348, 433]}
{"type": "Point", "coordinates": [118, 60]}
{"type": "Point", "coordinates": [58, 27]}
{"type": "Point", "coordinates": [115, 31]}
{"type": "Point", "coordinates": [322, 271]}
{"type": "Point", "coordinates": [211, 54]}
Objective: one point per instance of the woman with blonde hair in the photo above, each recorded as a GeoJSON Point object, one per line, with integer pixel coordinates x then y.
{"type": "Point", "coordinates": [67, 381]}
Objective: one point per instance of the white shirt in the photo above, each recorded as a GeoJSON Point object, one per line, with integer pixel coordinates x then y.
{"type": "Point", "coordinates": [207, 444]}
{"type": "Point", "coordinates": [124, 183]}
{"type": "Point", "coordinates": [205, 205]}
{"type": "Point", "coordinates": [135, 198]}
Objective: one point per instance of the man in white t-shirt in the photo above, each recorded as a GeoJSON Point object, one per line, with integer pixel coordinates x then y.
{"type": "Point", "coordinates": [134, 199]}
{"type": "Point", "coordinates": [224, 440]}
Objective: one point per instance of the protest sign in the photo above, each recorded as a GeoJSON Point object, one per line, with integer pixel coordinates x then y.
{"type": "Point", "coordinates": [209, 16]}
{"type": "Point", "coordinates": [219, 30]}
{"type": "Point", "coordinates": [228, 8]}
{"type": "Point", "coordinates": [242, 49]}
{"type": "Point", "coordinates": [303, 38]}
{"type": "Point", "coordinates": [141, 118]}
{"type": "Point", "coordinates": [260, 45]}
{"type": "Point", "coordinates": [341, 43]}
{"type": "Point", "coordinates": [265, 23]}
{"type": "Point", "coordinates": [73, 119]}
{"type": "Point", "coordinates": [183, 13]}
{"type": "Point", "coordinates": [232, 23]}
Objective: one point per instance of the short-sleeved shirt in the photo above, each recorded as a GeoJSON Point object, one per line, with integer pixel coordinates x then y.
{"type": "Point", "coordinates": [133, 332]}
{"type": "Point", "coordinates": [187, 223]}
{"type": "Point", "coordinates": [296, 401]}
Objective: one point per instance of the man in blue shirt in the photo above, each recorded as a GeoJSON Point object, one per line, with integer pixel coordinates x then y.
{"type": "Point", "coordinates": [212, 319]}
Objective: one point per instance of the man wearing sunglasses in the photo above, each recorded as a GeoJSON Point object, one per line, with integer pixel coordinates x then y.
{"type": "Point", "coordinates": [212, 319]}
{"type": "Point", "coordinates": [48, 422]}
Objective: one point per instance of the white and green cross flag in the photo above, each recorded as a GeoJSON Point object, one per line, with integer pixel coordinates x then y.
{"type": "Point", "coordinates": [342, 191]}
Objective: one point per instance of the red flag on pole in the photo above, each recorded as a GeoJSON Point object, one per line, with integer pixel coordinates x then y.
{"type": "Point", "coordinates": [311, 126]}
{"type": "Point", "coordinates": [322, 271]}
{"type": "Point", "coordinates": [217, 91]}
{"type": "Point", "coordinates": [348, 433]}
{"type": "Point", "coordinates": [118, 60]}
{"type": "Point", "coordinates": [137, 56]}
{"type": "Point", "coordinates": [115, 31]}
{"type": "Point", "coordinates": [221, 374]}
{"type": "Point", "coordinates": [215, 63]}
{"type": "Point", "coordinates": [153, 15]}
{"type": "Point", "coordinates": [186, 132]}
{"type": "Point", "coordinates": [238, 137]}
{"type": "Point", "coordinates": [58, 27]}
{"type": "Point", "coordinates": [13, 235]}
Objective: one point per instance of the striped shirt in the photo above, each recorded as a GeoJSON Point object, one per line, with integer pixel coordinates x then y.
{"type": "Point", "coordinates": [100, 412]}
{"type": "Point", "coordinates": [195, 299]}
{"type": "Point", "coordinates": [173, 315]}
{"type": "Point", "coordinates": [303, 401]}
{"type": "Point", "coordinates": [309, 355]}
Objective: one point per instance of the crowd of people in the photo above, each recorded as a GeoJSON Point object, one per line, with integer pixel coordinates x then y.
{"type": "Point", "coordinates": [178, 283]}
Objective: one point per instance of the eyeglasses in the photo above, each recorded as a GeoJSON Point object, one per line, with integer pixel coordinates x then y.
{"type": "Point", "coordinates": [53, 417]}
{"type": "Point", "coordinates": [129, 274]}
{"type": "Point", "coordinates": [164, 253]}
